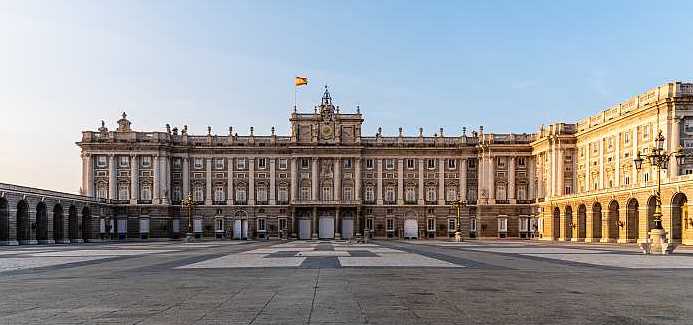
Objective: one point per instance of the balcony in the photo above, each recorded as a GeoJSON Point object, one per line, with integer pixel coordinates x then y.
{"type": "Point", "coordinates": [120, 201]}
{"type": "Point", "coordinates": [219, 202]}
{"type": "Point", "coordinates": [144, 201]}
{"type": "Point", "coordinates": [502, 202]}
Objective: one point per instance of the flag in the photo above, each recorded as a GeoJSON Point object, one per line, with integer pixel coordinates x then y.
{"type": "Point", "coordinates": [301, 81]}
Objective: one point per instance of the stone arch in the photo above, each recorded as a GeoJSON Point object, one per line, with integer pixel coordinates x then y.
{"type": "Point", "coordinates": [581, 221]}
{"type": "Point", "coordinates": [556, 231]}
{"type": "Point", "coordinates": [597, 220]}
{"type": "Point", "coordinates": [612, 221]}
{"type": "Point", "coordinates": [42, 222]}
{"type": "Point", "coordinates": [4, 220]}
{"type": "Point", "coordinates": [568, 223]}
{"type": "Point", "coordinates": [58, 223]}
{"type": "Point", "coordinates": [679, 215]}
{"type": "Point", "coordinates": [632, 217]}
{"type": "Point", "coordinates": [23, 223]}
{"type": "Point", "coordinates": [86, 224]}
{"type": "Point", "coordinates": [72, 224]}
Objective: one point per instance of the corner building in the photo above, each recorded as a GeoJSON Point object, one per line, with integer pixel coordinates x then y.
{"type": "Point", "coordinates": [324, 180]}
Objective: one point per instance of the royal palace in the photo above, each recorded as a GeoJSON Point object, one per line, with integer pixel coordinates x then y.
{"type": "Point", "coordinates": [567, 181]}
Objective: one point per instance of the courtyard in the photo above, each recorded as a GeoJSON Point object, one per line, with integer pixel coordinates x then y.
{"type": "Point", "coordinates": [338, 282]}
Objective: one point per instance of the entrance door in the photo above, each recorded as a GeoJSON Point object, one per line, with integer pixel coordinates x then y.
{"type": "Point", "coordinates": [304, 229]}
{"type": "Point", "coordinates": [244, 231]}
{"type": "Point", "coordinates": [326, 228]}
{"type": "Point", "coordinates": [237, 229]}
{"type": "Point", "coordinates": [411, 228]}
{"type": "Point", "coordinates": [347, 228]}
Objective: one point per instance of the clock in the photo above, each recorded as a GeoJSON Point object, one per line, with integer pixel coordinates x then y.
{"type": "Point", "coordinates": [326, 132]}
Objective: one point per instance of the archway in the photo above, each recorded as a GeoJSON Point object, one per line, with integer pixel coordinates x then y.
{"type": "Point", "coordinates": [4, 220]}
{"type": "Point", "coordinates": [23, 226]}
{"type": "Point", "coordinates": [597, 220]}
{"type": "Point", "coordinates": [582, 222]}
{"type": "Point", "coordinates": [612, 221]}
{"type": "Point", "coordinates": [58, 223]}
{"type": "Point", "coordinates": [42, 222]}
{"type": "Point", "coordinates": [568, 223]}
{"type": "Point", "coordinates": [72, 224]}
{"type": "Point", "coordinates": [556, 223]}
{"type": "Point", "coordinates": [86, 224]}
{"type": "Point", "coordinates": [679, 214]}
{"type": "Point", "coordinates": [632, 217]}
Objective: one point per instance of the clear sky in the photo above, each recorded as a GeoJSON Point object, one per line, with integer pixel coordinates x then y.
{"type": "Point", "coordinates": [507, 65]}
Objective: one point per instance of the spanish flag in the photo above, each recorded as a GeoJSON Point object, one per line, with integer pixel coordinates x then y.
{"type": "Point", "coordinates": [301, 81]}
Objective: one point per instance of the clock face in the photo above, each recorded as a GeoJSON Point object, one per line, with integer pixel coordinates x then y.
{"type": "Point", "coordinates": [327, 132]}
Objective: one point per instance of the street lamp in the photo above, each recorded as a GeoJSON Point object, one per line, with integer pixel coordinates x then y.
{"type": "Point", "coordinates": [458, 231]}
{"type": "Point", "coordinates": [189, 204]}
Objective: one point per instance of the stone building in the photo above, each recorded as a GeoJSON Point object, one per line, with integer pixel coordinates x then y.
{"type": "Point", "coordinates": [324, 180]}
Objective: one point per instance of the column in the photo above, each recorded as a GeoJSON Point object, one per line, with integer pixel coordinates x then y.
{"type": "Point", "coordinates": [541, 183]}
{"type": "Point", "coordinates": [481, 177]}
{"type": "Point", "coordinates": [601, 164]}
{"type": "Point", "coordinates": [186, 176]}
{"type": "Point", "coordinates": [379, 194]}
{"type": "Point", "coordinates": [551, 177]}
{"type": "Point", "coordinates": [294, 180]}
{"type": "Point", "coordinates": [357, 171]}
{"type": "Point", "coordinates": [272, 189]}
{"type": "Point", "coordinates": [111, 177]}
{"type": "Point", "coordinates": [617, 155]}
{"type": "Point", "coordinates": [208, 187]}
{"type": "Point", "coordinates": [400, 181]}
{"type": "Point", "coordinates": [337, 233]}
{"type": "Point", "coordinates": [315, 216]}
{"type": "Point", "coordinates": [157, 180]}
{"type": "Point", "coordinates": [421, 182]}
{"type": "Point", "coordinates": [491, 179]}
{"type": "Point", "coordinates": [165, 186]}
{"type": "Point", "coordinates": [634, 171]}
{"type": "Point", "coordinates": [337, 181]}
{"type": "Point", "coordinates": [134, 179]}
{"type": "Point", "coordinates": [674, 145]}
{"type": "Point", "coordinates": [511, 181]}
{"type": "Point", "coordinates": [251, 181]}
{"type": "Point", "coordinates": [463, 180]}
{"type": "Point", "coordinates": [560, 171]}
{"type": "Point", "coordinates": [314, 181]}
{"type": "Point", "coordinates": [229, 180]}
{"type": "Point", "coordinates": [88, 175]}
{"type": "Point", "coordinates": [441, 181]}
{"type": "Point", "coordinates": [588, 163]}
{"type": "Point", "coordinates": [531, 169]}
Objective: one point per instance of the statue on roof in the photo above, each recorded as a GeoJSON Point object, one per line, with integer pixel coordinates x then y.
{"type": "Point", "coordinates": [124, 124]}
{"type": "Point", "coordinates": [327, 109]}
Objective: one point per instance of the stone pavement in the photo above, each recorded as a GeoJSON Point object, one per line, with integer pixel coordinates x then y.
{"type": "Point", "coordinates": [335, 282]}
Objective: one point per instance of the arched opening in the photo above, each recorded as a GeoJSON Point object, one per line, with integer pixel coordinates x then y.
{"type": "Point", "coordinates": [72, 224]}
{"type": "Point", "coordinates": [597, 220]}
{"type": "Point", "coordinates": [23, 226]}
{"type": "Point", "coordinates": [556, 223]}
{"type": "Point", "coordinates": [679, 214]}
{"type": "Point", "coordinates": [612, 220]}
{"type": "Point", "coordinates": [632, 217]}
{"type": "Point", "coordinates": [651, 207]}
{"type": "Point", "coordinates": [42, 222]}
{"type": "Point", "coordinates": [582, 221]}
{"type": "Point", "coordinates": [58, 223]}
{"type": "Point", "coordinates": [4, 220]}
{"type": "Point", "coordinates": [86, 224]}
{"type": "Point", "coordinates": [568, 223]}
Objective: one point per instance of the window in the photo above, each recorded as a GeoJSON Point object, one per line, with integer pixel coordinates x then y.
{"type": "Point", "coordinates": [347, 163]}
{"type": "Point", "coordinates": [390, 194]}
{"type": "Point", "coordinates": [645, 131]}
{"type": "Point", "coordinates": [282, 224]}
{"type": "Point", "coordinates": [410, 163]}
{"type": "Point", "coordinates": [452, 163]}
{"type": "Point", "coordinates": [646, 177]}
{"type": "Point", "coordinates": [101, 191]}
{"type": "Point", "coordinates": [452, 225]}
{"type": "Point", "coordinates": [327, 193]}
{"type": "Point", "coordinates": [348, 194]}
{"type": "Point", "coordinates": [219, 224]}
{"type": "Point", "coordinates": [369, 163]}
{"type": "Point", "coordinates": [240, 163]}
{"type": "Point", "coordinates": [390, 224]}
{"type": "Point", "coordinates": [389, 164]}
{"type": "Point", "coordinates": [430, 194]}
{"type": "Point", "coordinates": [219, 194]}
{"type": "Point", "coordinates": [124, 161]}
{"type": "Point", "coordinates": [626, 180]}
{"type": "Point", "coordinates": [500, 163]}
{"type": "Point", "coordinates": [177, 194]}
{"type": "Point", "coordinates": [626, 137]}
{"type": "Point", "coordinates": [304, 194]}
{"type": "Point", "coordinates": [241, 195]}
{"type": "Point", "coordinates": [369, 223]}
{"type": "Point", "coordinates": [146, 192]}
{"type": "Point", "coordinates": [521, 161]}
{"type": "Point", "coordinates": [431, 163]}
{"type": "Point", "coordinates": [197, 163]}
{"type": "Point", "coordinates": [522, 192]}
{"type": "Point", "coordinates": [501, 194]}
{"type": "Point", "coordinates": [503, 225]}
{"type": "Point", "coordinates": [370, 195]}
{"type": "Point", "coordinates": [283, 164]}
{"type": "Point", "coordinates": [261, 226]}
{"type": "Point", "coordinates": [262, 194]}
{"type": "Point", "coordinates": [123, 192]}
{"type": "Point", "coordinates": [471, 163]}
{"type": "Point", "coordinates": [198, 193]}
{"type": "Point", "coordinates": [177, 163]}
{"type": "Point", "coordinates": [219, 163]}
{"type": "Point", "coordinates": [262, 163]}
{"type": "Point", "coordinates": [283, 194]}
{"type": "Point", "coordinates": [101, 161]}
{"type": "Point", "coordinates": [569, 189]}
{"type": "Point", "coordinates": [410, 195]}
{"type": "Point", "coordinates": [431, 224]}
{"type": "Point", "coordinates": [524, 224]}
{"type": "Point", "coordinates": [305, 164]}
{"type": "Point", "coordinates": [472, 224]}
{"type": "Point", "coordinates": [451, 194]}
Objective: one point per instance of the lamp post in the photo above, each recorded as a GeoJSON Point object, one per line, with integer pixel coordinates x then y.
{"type": "Point", "coordinates": [659, 158]}
{"type": "Point", "coordinates": [458, 231]}
{"type": "Point", "coordinates": [189, 203]}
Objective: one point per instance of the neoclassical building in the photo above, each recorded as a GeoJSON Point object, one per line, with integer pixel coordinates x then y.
{"type": "Point", "coordinates": [324, 180]}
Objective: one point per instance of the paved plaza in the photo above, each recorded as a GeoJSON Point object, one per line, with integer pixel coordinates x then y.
{"type": "Point", "coordinates": [337, 282]}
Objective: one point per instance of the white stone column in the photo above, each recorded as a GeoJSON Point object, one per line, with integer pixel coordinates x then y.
{"type": "Point", "coordinates": [229, 180]}
{"type": "Point", "coordinates": [674, 145]}
{"type": "Point", "coordinates": [601, 164]}
{"type": "Point", "coordinates": [400, 181]}
{"type": "Point", "coordinates": [337, 180]}
{"type": "Point", "coordinates": [634, 171]}
{"type": "Point", "coordinates": [422, 191]}
{"type": "Point", "coordinates": [294, 180]}
{"type": "Point", "coordinates": [491, 179]}
{"type": "Point", "coordinates": [588, 163]}
{"type": "Point", "coordinates": [88, 174]}
{"type": "Point", "coordinates": [165, 187]}
{"type": "Point", "coordinates": [379, 194]}
{"type": "Point", "coordinates": [551, 177]}
{"type": "Point", "coordinates": [272, 189]}
{"type": "Point", "coordinates": [112, 177]}
{"type": "Point", "coordinates": [315, 181]}
{"type": "Point", "coordinates": [481, 178]}
{"type": "Point", "coordinates": [251, 181]}
{"type": "Point", "coordinates": [134, 179]}
{"type": "Point", "coordinates": [617, 156]}
{"type": "Point", "coordinates": [560, 171]}
{"type": "Point", "coordinates": [511, 181]}
{"type": "Point", "coordinates": [157, 180]}
{"type": "Point", "coordinates": [186, 176]}
{"type": "Point", "coordinates": [441, 181]}
{"type": "Point", "coordinates": [463, 180]}
{"type": "Point", "coordinates": [208, 187]}
{"type": "Point", "coordinates": [531, 170]}
{"type": "Point", "coordinates": [357, 171]}
{"type": "Point", "coordinates": [541, 191]}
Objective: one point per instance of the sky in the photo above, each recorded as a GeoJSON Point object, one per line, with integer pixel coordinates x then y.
{"type": "Point", "coordinates": [507, 65]}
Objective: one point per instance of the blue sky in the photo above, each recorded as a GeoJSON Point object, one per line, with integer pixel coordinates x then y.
{"type": "Point", "coordinates": [507, 65]}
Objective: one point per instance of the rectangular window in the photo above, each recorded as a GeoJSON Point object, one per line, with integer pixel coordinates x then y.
{"type": "Point", "coordinates": [177, 163]}
{"type": "Point", "coordinates": [146, 192]}
{"type": "Point", "coordinates": [390, 194]}
{"type": "Point", "coordinates": [451, 225]}
{"type": "Point", "coordinates": [347, 163]}
{"type": "Point", "coordinates": [241, 196]}
{"type": "Point", "coordinates": [521, 161]}
{"type": "Point", "coordinates": [452, 163]}
{"type": "Point", "coordinates": [472, 224]}
{"type": "Point", "coordinates": [390, 224]}
{"type": "Point", "coordinates": [219, 224]}
{"type": "Point", "coordinates": [524, 224]}
{"type": "Point", "coordinates": [261, 226]}
{"type": "Point", "coordinates": [219, 163]}
{"type": "Point", "coordinates": [282, 224]}
{"type": "Point", "coordinates": [219, 194]}
{"type": "Point", "coordinates": [370, 197]}
{"type": "Point", "coordinates": [369, 163]}
{"type": "Point", "coordinates": [197, 163]}
{"type": "Point", "coordinates": [283, 164]}
{"type": "Point", "coordinates": [431, 163]}
{"type": "Point", "coordinates": [198, 193]}
{"type": "Point", "coordinates": [262, 194]}
{"type": "Point", "coordinates": [240, 163]}
{"type": "Point", "coordinates": [500, 163]}
{"type": "Point", "coordinates": [327, 193]}
{"type": "Point", "coordinates": [431, 224]}
{"type": "Point", "coordinates": [123, 192]}
{"type": "Point", "coordinates": [410, 195]}
{"type": "Point", "coordinates": [410, 163]}
{"type": "Point", "coordinates": [283, 194]}
{"type": "Point", "coordinates": [471, 163]}
{"type": "Point", "coordinates": [262, 163]}
{"type": "Point", "coordinates": [101, 161]}
{"type": "Point", "coordinates": [389, 164]}
{"type": "Point", "coordinates": [503, 225]}
{"type": "Point", "coordinates": [124, 161]}
{"type": "Point", "coordinates": [451, 194]}
{"type": "Point", "coordinates": [348, 194]}
{"type": "Point", "coordinates": [430, 194]}
{"type": "Point", "coordinates": [305, 163]}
